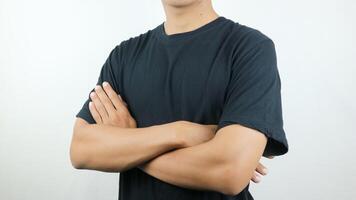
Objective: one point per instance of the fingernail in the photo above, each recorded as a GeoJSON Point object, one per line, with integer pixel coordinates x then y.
{"type": "Point", "coordinates": [90, 104]}
{"type": "Point", "coordinates": [92, 94]}
{"type": "Point", "coordinates": [105, 84]}
{"type": "Point", "coordinates": [97, 87]}
{"type": "Point", "coordinates": [120, 97]}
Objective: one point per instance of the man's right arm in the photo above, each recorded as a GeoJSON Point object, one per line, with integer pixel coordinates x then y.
{"type": "Point", "coordinates": [115, 149]}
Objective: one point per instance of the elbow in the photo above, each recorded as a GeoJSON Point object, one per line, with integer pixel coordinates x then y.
{"type": "Point", "coordinates": [76, 152]}
{"type": "Point", "coordinates": [77, 165]}
{"type": "Point", "coordinates": [234, 180]}
{"type": "Point", "coordinates": [76, 157]}
{"type": "Point", "coordinates": [232, 189]}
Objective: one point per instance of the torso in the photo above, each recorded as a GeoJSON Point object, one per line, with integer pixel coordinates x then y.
{"type": "Point", "coordinates": [167, 78]}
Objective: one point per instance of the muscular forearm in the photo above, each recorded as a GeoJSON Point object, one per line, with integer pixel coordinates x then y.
{"type": "Point", "coordinates": [197, 167]}
{"type": "Point", "coordinates": [221, 164]}
{"type": "Point", "coordinates": [115, 149]}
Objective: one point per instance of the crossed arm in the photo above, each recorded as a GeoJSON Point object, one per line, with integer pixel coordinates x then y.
{"type": "Point", "coordinates": [226, 163]}
{"type": "Point", "coordinates": [201, 159]}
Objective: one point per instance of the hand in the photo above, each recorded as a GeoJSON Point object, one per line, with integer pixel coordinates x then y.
{"type": "Point", "coordinates": [260, 171]}
{"type": "Point", "coordinates": [108, 108]}
{"type": "Point", "coordinates": [191, 133]}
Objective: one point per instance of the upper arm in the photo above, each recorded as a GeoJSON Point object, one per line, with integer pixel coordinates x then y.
{"type": "Point", "coordinates": [238, 140]}
{"type": "Point", "coordinates": [242, 147]}
{"type": "Point", "coordinates": [253, 95]}
{"type": "Point", "coordinates": [76, 156]}
{"type": "Point", "coordinates": [251, 123]}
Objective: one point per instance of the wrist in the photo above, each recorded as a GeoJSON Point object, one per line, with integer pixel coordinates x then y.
{"type": "Point", "coordinates": [177, 128]}
{"type": "Point", "coordinates": [170, 134]}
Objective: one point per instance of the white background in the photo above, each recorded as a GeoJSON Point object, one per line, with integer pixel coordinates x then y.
{"type": "Point", "coordinates": [51, 53]}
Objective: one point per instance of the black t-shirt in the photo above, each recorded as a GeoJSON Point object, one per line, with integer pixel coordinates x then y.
{"type": "Point", "coordinates": [220, 73]}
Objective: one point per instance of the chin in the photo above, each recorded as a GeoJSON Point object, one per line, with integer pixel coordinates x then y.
{"type": "Point", "coordinates": [180, 3]}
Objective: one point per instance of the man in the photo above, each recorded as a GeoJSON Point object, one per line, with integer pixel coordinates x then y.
{"type": "Point", "coordinates": [185, 110]}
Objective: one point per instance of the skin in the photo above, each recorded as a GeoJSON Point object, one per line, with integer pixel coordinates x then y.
{"type": "Point", "coordinates": [182, 153]}
{"type": "Point", "coordinates": [154, 167]}
{"type": "Point", "coordinates": [187, 15]}
{"type": "Point", "coordinates": [115, 144]}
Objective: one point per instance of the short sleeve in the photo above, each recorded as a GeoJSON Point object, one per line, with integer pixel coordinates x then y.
{"type": "Point", "coordinates": [253, 96]}
{"type": "Point", "coordinates": [110, 73]}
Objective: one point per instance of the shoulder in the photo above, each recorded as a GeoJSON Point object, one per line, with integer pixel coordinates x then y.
{"type": "Point", "coordinates": [135, 41]}
{"type": "Point", "coordinates": [242, 39]}
{"type": "Point", "coordinates": [250, 48]}
{"type": "Point", "coordinates": [249, 33]}
{"type": "Point", "coordinates": [131, 47]}
{"type": "Point", "coordinates": [125, 49]}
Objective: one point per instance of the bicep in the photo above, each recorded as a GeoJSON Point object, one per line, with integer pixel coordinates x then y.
{"type": "Point", "coordinates": [253, 97]}
{"type": "Point", "coordinates": [240, 140]}
{"type": "Point", "coordinates": [242, 146]}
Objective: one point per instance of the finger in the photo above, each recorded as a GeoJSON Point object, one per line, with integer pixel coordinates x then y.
{"type": "Point", "coordinates": [104, 99]}
{"type": "Point", "coordinates": [256, 177]}
{"type": "Point", "coordinates": [95, 113]}
{"type": "Point", "coordinates": [99, 106]}
{"type": "Point", "coordinates": [125, 104]}
{"type": "Point", "coordinates": [111, 94]}
{"type": "Point", "coordinates": [122, 105]}
{"type": "Point", "coordinates": [261, 169]}
{"type": "Point", "coordinates": [119, 104]}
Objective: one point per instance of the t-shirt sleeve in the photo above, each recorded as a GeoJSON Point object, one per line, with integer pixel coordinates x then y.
{"type": "Point", "coordinates": [253, 96]}
{"type": "Point", "coordinates": [110, 73]}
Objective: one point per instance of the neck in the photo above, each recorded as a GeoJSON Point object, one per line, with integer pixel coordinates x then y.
{"type": "Point", "coordinates": [181, 19]}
